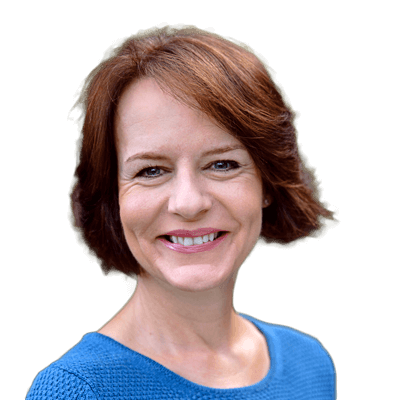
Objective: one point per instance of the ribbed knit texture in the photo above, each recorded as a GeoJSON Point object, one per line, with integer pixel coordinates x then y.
{"type": "Point", "coordinates": [99, 367]}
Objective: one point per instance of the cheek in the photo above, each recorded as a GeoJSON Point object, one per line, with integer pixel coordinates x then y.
{"type": "Point", "coordinates": [138, 212]}
{"type": "Point", "coordinates": [247, 199]}
{"type": "Point", "coordinates": [252, 208]}
{"type": "Point", "coordinates": [131, 215]}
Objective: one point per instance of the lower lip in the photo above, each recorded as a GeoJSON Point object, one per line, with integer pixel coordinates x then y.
{"type": "Point", "coordinates": [195, 248]}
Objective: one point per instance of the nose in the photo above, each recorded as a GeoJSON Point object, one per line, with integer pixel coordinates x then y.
{"type": "Point", "coordinates": [189, 197]}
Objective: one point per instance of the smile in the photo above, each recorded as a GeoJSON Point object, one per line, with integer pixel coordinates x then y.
{"type": "Point", "coordinates": [190, 241]}
{"type": "Point", "coordinates": [189, 244]}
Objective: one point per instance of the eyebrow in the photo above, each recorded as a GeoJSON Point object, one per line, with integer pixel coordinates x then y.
{"type": "Point", "coordinates": [157, 156]}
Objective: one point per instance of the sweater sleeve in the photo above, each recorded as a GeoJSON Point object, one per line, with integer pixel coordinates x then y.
{"type": "Point", "coordinates": [54, 383]}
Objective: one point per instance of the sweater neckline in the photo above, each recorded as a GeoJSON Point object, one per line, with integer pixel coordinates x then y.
{"type": "Point", "coordinates": [169, 374]}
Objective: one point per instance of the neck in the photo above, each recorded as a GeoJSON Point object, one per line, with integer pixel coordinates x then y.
{"type": "Point", "coordinates": [176, 322]}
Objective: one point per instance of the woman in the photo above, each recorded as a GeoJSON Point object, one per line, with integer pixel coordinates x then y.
{"type": "Point", "coordinates": [188, 156]}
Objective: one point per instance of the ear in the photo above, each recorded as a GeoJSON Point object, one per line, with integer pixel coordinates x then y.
{"type": "Point", "coordinates": [267, 201]}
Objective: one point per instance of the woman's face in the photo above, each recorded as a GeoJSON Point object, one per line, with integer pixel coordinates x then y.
{"type": "Point", "coordinates": [179, 172]}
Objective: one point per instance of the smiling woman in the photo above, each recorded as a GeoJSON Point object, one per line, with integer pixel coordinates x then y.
{"type": "Point", "coordinates": [188, 157]}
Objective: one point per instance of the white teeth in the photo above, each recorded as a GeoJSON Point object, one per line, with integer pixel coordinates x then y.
{"type": "Point", "coordinates": [197, 240]}
{"type": "Point", "coordinates": [188, 241]}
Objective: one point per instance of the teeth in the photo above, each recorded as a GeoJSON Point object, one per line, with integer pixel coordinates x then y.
{"type": "Point", "coordinates": [188, 241]}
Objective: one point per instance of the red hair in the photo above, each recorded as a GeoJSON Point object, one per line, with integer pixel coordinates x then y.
{"type": "Point", "coordinates": [225, 81]}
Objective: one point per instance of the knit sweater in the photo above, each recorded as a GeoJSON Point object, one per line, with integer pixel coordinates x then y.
{"type": "Point", "coordinates": [99, 367]}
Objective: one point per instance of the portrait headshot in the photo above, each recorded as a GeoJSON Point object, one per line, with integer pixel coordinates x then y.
{"type": "Point", "coordinates": [189, 170]}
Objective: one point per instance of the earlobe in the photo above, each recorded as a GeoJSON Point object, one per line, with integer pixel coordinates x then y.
{"type": "Point", "coordinates": [267, 201]}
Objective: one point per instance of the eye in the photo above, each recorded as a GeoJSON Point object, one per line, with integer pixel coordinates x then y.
{"type": "Point", "coordinates": [234, 165]}
{"type": "Point", "coordinates": [149, 168]}
{"type": "Point", "coordinates": [154, 168]}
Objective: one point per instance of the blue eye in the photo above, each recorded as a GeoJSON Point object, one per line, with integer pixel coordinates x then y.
{"type": "Point", "coordinates": [150, 172]}
{"type": "Point", "coordinates": [236, 165]}
{"type": "Point", "coordinates": [149, 168]}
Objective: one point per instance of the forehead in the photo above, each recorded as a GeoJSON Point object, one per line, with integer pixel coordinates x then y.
{"type": "Point", "coordinates": [146, 113]}
{"type": "Point", "coordinates": [145, 101]}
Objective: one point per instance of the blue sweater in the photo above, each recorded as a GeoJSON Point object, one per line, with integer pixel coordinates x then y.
{"type": "Point", "coordinates": [99, 367]}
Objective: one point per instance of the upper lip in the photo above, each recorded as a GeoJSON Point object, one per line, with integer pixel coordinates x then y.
{"type": "Point", "coordinates": [195, 233]}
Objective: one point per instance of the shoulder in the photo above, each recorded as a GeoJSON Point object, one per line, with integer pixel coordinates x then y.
{"type": "Point", "coordinates": [80, 372]}
{"type": "Point", "coordinates": [302, 349]}
{"type": "Point", "coordinates": [56, 383]}
{"type": "Point", "coordinates": [293, 341]}
{"type": "Point", "coordinates": [292, 337]}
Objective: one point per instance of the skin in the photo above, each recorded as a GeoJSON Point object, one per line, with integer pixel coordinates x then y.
{"type": "Point", "coordinates": [182, 188]}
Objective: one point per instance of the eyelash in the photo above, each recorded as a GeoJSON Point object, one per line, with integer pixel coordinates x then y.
{"type": "Point", "coordinates": [140, 174]}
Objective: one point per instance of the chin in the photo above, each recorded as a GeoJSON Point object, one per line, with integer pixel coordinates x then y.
{"type": "Point", "coordinates": [198, 277]}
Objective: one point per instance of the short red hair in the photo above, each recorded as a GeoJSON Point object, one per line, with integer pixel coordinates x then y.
{"type": "Point", "coordinates": [225, 81]}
